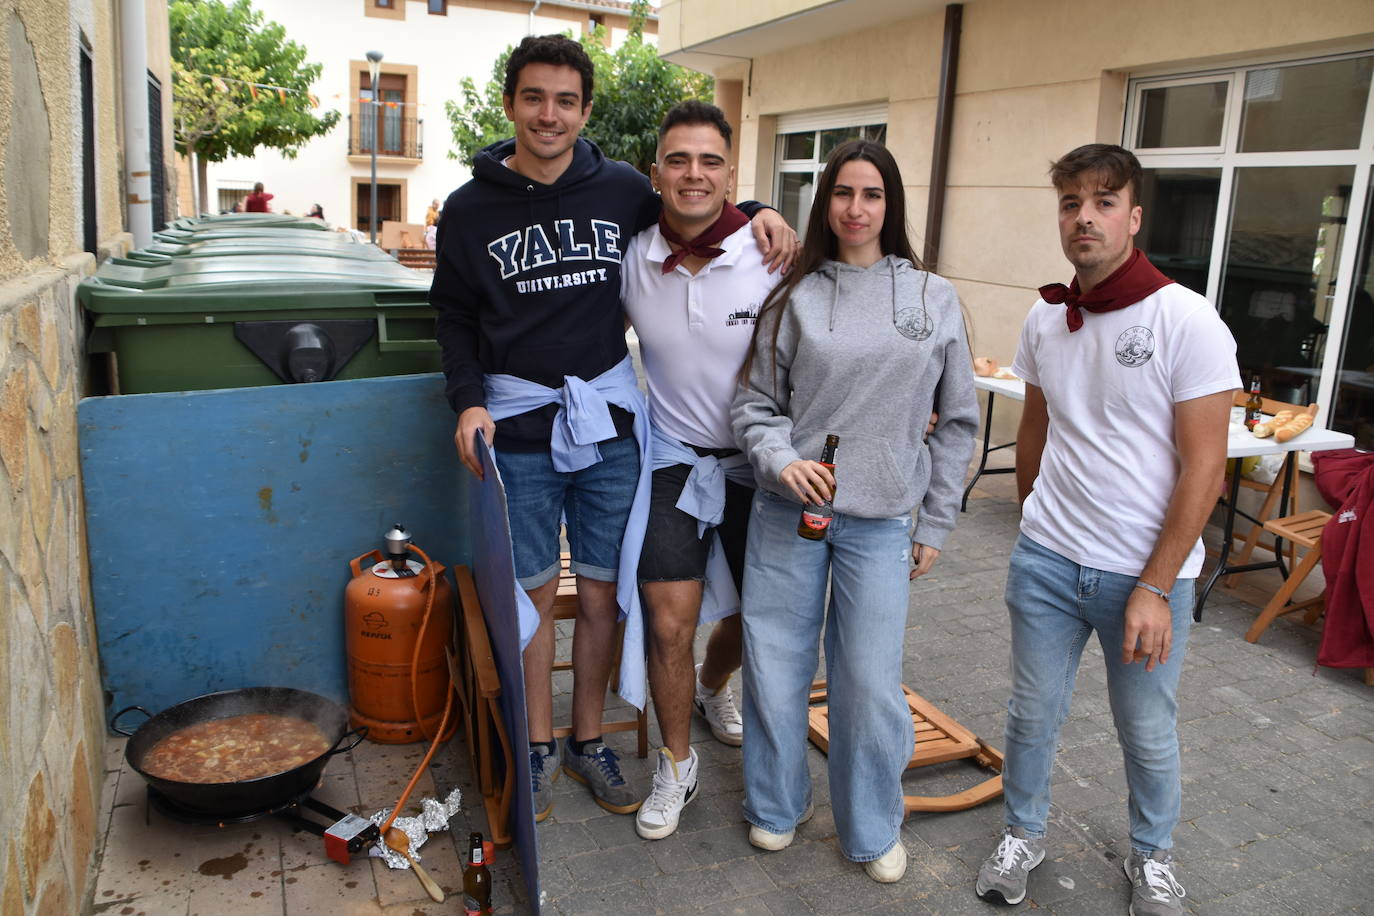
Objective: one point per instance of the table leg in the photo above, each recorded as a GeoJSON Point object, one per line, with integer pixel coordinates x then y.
{"type": "Point", "coordinates": [1288, 461]}
{"type": "Point", "coordinates": [1225, 546]}
{"type": "Point", "coordinates": [983, 460]}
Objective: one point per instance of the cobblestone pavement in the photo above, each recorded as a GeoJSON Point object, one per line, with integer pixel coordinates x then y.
{"type": "Point", "coordinates": [1278, 800]}
{"type": "Point", "coordinates": [1278, 796]}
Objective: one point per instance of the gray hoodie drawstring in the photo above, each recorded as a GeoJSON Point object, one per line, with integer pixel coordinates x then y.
{"type": "Point", "coordinates": [892, 264]}
{"type": "Point", "coordinates": [892, 273]}
{"type": "Point", "coordinates": [835, 301]}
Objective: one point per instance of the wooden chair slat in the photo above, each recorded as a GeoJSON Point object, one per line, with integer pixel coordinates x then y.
{"type": "Point", "coordinates": [1305, 530]}
{"type": "Point", "coordinates": [938, 739]}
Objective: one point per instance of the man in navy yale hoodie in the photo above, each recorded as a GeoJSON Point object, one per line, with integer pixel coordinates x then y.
{"type": "Point", "coordinates": [527, 290]}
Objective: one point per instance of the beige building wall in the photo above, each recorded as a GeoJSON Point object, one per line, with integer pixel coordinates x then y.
{"type": "Point", "coordinates": [435, 52]}
{"type": "Point", "coordinates": [1035, 79]}
{"type": "Point", "coordinates": [52, 732]}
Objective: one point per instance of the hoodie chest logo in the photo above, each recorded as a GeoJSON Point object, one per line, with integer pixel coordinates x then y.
{"type": "Point", "coordinates": [914, 324]}
{"type": "Point", "coordinates": [578, 240]}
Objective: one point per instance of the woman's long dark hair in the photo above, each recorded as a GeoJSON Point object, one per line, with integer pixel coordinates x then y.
{"type": "Point", "coordinates": [820, 243]}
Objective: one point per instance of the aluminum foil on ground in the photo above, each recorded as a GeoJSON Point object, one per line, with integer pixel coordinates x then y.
{"type": "Point", "coordinates": [434, 816]}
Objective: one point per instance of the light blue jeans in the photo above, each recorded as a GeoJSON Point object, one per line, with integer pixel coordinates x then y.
{"type": "Point", "coordinates": [871, 738]}
{"type": "Point", "coordinates": [1055, 605]}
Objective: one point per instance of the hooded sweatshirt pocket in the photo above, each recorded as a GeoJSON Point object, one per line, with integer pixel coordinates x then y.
{"type": "Point", "coordinates": [871, 481]}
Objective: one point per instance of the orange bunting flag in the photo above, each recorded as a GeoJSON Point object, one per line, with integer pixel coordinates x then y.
{"type": "Point", "coordinates": [253, 90]}
{"type": "Point", "coordinates": [281, 95]}
{"type": "Point", "coordinates": [314, 100]}
{"type": "Point", "coordinates": [219, 84]}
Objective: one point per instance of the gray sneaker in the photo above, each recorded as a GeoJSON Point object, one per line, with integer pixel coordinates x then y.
{"type": "Point", "coordinates": [1154, 889]}
{"type": "Point", "coordinates": [599, 770]}
{"type": "Point", "coordinates": [543, 774]}
{"type": "Point", "coordinates": [1002, 879]}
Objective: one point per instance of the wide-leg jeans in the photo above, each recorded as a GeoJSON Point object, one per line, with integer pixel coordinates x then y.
{"type": "Point", "coordinates": [784, 609]}
{"type": "Point", "coordinates": [1055, 604]}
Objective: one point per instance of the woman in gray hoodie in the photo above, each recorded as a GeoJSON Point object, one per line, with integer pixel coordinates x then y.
{"type": "Point", "coordinates": [862, 343]}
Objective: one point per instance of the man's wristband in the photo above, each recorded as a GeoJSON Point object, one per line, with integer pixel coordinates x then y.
{"type": "Point", "coordinates": [1152, 589]}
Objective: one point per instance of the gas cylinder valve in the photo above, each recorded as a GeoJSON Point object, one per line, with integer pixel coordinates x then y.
{"type": "Point", "coordinates": [398, 547]}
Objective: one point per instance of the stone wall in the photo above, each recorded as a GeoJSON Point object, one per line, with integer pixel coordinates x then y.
{"type": "Point", "coordinates": [51, 708]}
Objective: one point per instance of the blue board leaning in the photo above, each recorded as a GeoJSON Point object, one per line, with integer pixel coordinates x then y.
{"type": "Point", "coordinates": [511, 621]}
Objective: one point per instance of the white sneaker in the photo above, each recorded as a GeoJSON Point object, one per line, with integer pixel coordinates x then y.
{"type": "Point", "coordinates": [888, 867]}
{"type": "Point", "coordinates": [674, 786]}
{"type": "Point", "coordinates": [718, 708]}
{"type": "Point", "coordinates": [767, 839]}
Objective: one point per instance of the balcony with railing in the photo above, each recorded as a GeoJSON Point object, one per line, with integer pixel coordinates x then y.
{"type": "Point", "coordinates": [393, 129]}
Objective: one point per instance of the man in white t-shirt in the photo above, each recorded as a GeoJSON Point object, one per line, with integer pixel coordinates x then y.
{"type": "Point", "coordinates": [692, 293]}
{"type": "Point", "coordinates": [1119, 458]}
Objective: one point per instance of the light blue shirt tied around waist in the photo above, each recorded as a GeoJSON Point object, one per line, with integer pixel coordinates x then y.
{"type": "Point", "coordinates": [584, 419]}
{"type": "Point", "coordinates": [703, 498]}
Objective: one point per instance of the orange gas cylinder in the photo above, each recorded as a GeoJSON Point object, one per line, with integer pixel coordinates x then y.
{"type": "Point", "coordinates": [385, 608]}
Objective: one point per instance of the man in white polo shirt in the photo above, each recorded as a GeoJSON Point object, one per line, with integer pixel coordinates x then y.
{"type": "Point", "coordinates": [692, 292]}
{"type": "Point", "coordinates": [1119, 458]}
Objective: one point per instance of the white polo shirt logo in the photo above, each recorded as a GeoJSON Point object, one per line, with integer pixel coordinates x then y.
{"type": "Point", "coordinates": [748, 315]}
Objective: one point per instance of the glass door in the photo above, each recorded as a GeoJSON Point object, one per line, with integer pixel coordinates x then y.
{"type": "Point", "coordinates": [1353, 408]}
{"type": "Point", "coordinates": [1255, 194]}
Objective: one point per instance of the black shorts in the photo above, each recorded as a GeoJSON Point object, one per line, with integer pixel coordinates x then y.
{"type": "Point", "coordinates": [672, 551]}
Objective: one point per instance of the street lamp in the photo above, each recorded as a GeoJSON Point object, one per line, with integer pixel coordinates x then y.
{"type": "Point", "coordinates": [374, 65]}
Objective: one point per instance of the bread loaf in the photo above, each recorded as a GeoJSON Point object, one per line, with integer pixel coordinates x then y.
{"type": "Point", "coordinates": [1266, 428]}
{"type": "Point", "coordinates": [1293, 427]}
{"type": "Point", "coordinates": [985, 366]}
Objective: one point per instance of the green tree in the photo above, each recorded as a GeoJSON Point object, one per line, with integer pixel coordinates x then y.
{"type": "Point", "coordinates": [218, 50]}
{"type": "Point", "coordinates": [634, 90]}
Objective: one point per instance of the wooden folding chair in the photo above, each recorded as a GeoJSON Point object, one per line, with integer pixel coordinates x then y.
{"type": "Point", "coordinates": [1271, 491]}
{"type": "Point", "coordinates": [938, 739]}
{"type": "Point", "coordinates": [565, 606]}
{"type": "Point", "coordinates": [1302, 530]}
{"type": "Point", "coordinates": [479, 690]}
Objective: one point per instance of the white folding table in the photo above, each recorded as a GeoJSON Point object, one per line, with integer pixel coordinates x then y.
{"type": "Point", "coordinates": [1241, 443]}
{"type": "Point", "coordinates": [1009, 388]}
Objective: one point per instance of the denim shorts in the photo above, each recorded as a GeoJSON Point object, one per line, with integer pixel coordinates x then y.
{"type": "Point", "coordinates": [595, 502]}
{"type": "Point", "coordinates": [672, 550]}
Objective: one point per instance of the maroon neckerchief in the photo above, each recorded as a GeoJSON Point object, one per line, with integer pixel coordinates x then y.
{"type": "Point", "coordinates": [1127, 285]}
{"type": "Point", "coordinates": [703, 246]}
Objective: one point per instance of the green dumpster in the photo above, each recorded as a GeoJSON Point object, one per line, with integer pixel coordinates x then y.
{"type": "Point", "coordinates": [285, 233]}
{"type": "Point", "coordinates": [329, 244]}
{"type": "Point", "coordinates": [248, 219]}
{"type": "Point", "coordinates": [181, 272]}
{"type": "Point", "coordinates": [161, 252]}
{"type": "Point", "coordinates": [189, 324]}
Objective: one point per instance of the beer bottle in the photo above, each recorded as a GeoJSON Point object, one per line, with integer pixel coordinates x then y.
{"type": "Point", "coordinates": [476, 880]}
{"type": "Point", "coordinates": [1254, 407]}
{"type": "Point", "coordinates": [815, 519]}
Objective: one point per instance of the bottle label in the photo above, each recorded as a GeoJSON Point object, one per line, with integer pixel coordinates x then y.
{"type": "Point", "coordinates": [815, 522]}
{"type": "Point", "coordinates": [471, 907]}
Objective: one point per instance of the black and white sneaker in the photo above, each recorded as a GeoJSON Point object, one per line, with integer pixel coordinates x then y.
{"type": "Point", "coordinates": [717, 707]}
{"type": "Point", "coordinates": [675, 784]}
